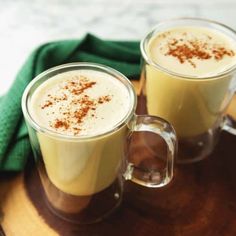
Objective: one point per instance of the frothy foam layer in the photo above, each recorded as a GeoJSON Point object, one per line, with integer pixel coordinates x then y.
{"type": "Point", "coordinates": [193, 51]}
{"type": "Point", "coordinates": [82, 102]}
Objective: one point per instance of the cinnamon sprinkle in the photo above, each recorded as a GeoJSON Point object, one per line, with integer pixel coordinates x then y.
{"type": "Point", "coordinates": [220, 52]}
{"type": "Point", "coordinates": [75, 104]}
{"type": "Point", "coordinates": [78, 87]}
{"type": "Point", "coordinates": [103, 99]}
{"type": "Point", "coordinates": [86, 105]}
{"type": "Point", "coordinates": [60, 123]}
{"type": "Point", "coordinates": [187, 50]}
{"type": "Point", "coordinates": [46, 104]}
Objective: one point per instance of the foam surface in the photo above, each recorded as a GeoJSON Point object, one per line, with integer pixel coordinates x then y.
{"type": "Point", "coordinates": [210, 42]}
{"type": "Point", "coordinates": [56, 104]}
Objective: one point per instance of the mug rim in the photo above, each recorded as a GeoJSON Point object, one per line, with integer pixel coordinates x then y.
{"type": "Point", "coordinates": [153, 32]}
{"type": "Point", "coordinates": [78, 66]}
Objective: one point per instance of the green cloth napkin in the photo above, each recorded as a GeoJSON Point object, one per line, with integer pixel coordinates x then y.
{"type": "Point", "coordinates": [14, 141]}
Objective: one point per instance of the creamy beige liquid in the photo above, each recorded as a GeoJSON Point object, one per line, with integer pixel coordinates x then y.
{"type": "Point", "coordinates": [191, 105]}
{"type": "Point", "coordinates": [81, 103]}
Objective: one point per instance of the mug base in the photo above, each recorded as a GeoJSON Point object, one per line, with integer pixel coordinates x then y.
{"type": "Point", "coordinates": [197, 148]}
{"type": "Point", "coordinates": [81, 209]}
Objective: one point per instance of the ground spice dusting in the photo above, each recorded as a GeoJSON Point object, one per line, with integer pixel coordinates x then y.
{"type": "Point", "coordinates": [46, 104]}
{"type": "Point", "coordinates": [75, 104]}
{"type": "Point", "coordinates": [60, 124]}
{"type": "Point", "coordinates": [86, 105]}
{"type": "Point", "coordinates": [103, 99]}
{"type": "Point", "coordinates": [187, 50]}
{"type": "Point", "coordinates": [78, 86]}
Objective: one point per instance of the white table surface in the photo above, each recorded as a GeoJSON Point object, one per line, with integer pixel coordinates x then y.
{"type": "Point", "coordinates": [25, 24]}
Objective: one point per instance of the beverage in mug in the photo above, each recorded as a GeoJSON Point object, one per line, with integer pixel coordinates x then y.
{"type": "Point", "coordinates": [81, 103]}
{"type": "Point", "coordinates": [189, 80]}
{"type": "Point", "coordinates": [79, 117]}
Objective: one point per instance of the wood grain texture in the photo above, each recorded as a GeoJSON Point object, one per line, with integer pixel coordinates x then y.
{"type": "Point", "coordinates": [20, 216]}
{"type": "Point", "coordinates": [199, 201]}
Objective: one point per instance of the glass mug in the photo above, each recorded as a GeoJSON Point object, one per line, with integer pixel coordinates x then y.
{"type": "Point", "coordinates": [195, 106]}
{"type": "Point", "coordinates": [83, 176]}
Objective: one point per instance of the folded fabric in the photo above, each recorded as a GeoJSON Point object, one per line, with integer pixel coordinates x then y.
{"type": "Point", "coordinates": [14, 142]}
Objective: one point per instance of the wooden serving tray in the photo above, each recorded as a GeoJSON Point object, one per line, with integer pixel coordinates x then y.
{"type": "Point", "coordinates": [201, 200]}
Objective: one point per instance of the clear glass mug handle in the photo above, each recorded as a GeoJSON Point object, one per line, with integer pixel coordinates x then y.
{"type": "Point", "coordinates": [153, 178]}
{"type": "Point", "coordinates": [229, 123]}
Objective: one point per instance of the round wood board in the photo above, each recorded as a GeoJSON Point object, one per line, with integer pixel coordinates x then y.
{"type": "Point", "coordinates": [199, 201]}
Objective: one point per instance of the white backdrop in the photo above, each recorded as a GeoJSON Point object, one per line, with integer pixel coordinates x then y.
{"type": "Point", "coordinates": [24, 24]}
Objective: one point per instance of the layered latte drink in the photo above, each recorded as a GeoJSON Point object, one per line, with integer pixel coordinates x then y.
{"type": "Point", "coordinates": [81, 119]}
{"type": "Point", "coordinates": [186, 80]}
{"type": "Point", "coordinates": [79, 113]}
{"type": "Point", "coordinates": [79, 104]}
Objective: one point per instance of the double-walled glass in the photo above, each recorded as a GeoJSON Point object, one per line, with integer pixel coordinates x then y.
{"type": "Point", "coordinates": [82, 176]}
{"type": "Point", "coordinates": [195, 106]}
